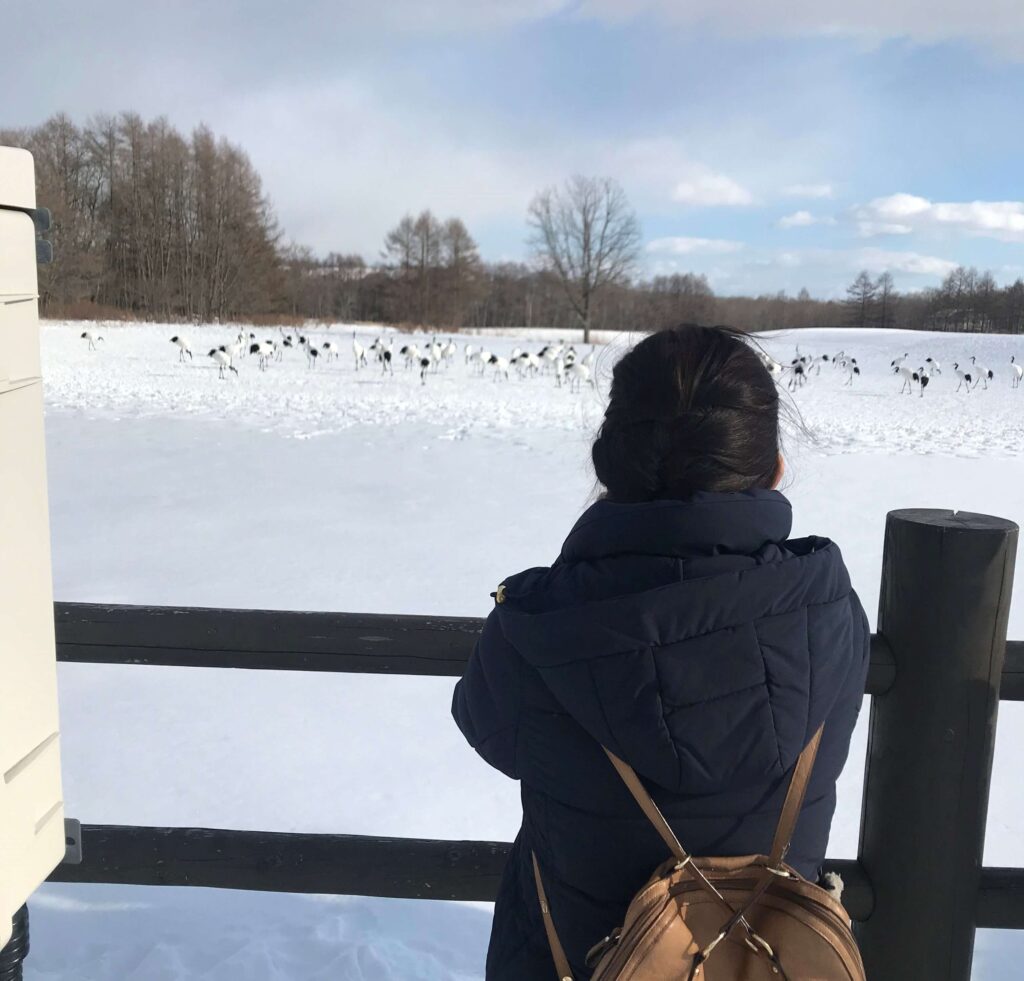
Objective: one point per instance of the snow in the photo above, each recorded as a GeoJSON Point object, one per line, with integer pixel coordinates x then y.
{"type": "Point", "coordinates": [327, 489]}
{"type": "Point", "coordinates": [167, 934]}
{"type": "Point", "coordinates": [136, 374]}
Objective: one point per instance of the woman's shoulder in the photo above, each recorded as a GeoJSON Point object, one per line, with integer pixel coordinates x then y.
{"type": "Point", "coordinates": [531, 590]}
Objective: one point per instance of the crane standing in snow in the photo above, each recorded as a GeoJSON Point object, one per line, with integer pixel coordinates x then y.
{"type": "Point", "coordinates": [964, 376]}
{"type": "Point", "coordinates": [981, 373]}
{"type": "Point", "coordinates": [183, 346]}
{"type": "Point", "coordinates": [312, 353]}
{"type": "Point", "coordinates": [910, 378]}
{"type": "Point", "coordinates": [500, 365]}
{"type": "Point", "coordinates": [223, 361]}
{"type": "Point", "coordinates": [578, 374]}
{"type": "Point", "coordinates": [411, 353]}
{"type": "Point", "coordinates": [263, 350]}
{"type": "Point", "coordinates": [849, 365]}
{"type": "Point", "coordinates": [359, 352]}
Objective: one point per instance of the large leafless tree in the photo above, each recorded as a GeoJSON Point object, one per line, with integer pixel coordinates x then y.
{"type": "Point", "coordinates": [586, 233]}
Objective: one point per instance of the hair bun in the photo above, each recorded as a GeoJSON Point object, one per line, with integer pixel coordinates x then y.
{"type": "Point", "coordinates": [628, 459]}
{"type": "Point", "coordinates": [691, 409]}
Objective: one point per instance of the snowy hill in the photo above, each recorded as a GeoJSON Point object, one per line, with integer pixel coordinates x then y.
{"type": "Point", "coordinates": [330, 489]}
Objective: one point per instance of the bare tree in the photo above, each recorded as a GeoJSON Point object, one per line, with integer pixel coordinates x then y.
{"type": "Point", "coordinates": [427, 240]}
{"type": "Point", "coordinates": [586, 234]}
{"type": "Point", "coordinates": [860, 301]}
{"type": "Point", "coordinates": [152, 222]}
{"type": "Point", "coordinates": [887, 297]}
{"type": "Point", "coordinates": [1012, 308]}
{"type": "Point", "coordinates": [399, 253]}
{"type": "Point", "coordinates": [985, 303]}
{"type": "Point", "coordinates": [413, 252]}
{"type": "Point", "coordinates": [676, 299]}
{"type": "Point", "coordinates": [461, 261]}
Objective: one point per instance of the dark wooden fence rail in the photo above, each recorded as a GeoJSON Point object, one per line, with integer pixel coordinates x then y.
{"type": "Point", "coordinates": [939, 666]}
{"type": "Point", "coordinates": [354, 643]}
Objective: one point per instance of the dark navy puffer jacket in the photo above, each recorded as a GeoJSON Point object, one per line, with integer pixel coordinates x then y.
{"type": "Point", "coordinates": [700, 645]}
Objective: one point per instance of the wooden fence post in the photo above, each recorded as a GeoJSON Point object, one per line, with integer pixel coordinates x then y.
{"type": "Point", "coordinates": [945, 602]}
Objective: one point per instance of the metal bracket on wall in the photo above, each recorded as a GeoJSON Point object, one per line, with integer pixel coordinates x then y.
{"type": "Point", "coordinates": [72, 842]}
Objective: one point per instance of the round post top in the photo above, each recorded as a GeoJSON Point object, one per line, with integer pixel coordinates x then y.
{"type": "Point", "coordinates": [953, 520]}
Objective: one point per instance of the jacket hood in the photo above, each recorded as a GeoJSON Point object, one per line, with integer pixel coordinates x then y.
{"type": "Point", "coordinates": [706, 524]}
{"type": "Point", "coordinates": [691, 638]}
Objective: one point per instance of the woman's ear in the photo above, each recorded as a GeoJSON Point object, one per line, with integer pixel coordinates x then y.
{"type": "Point", "coordinates": [780, 469]}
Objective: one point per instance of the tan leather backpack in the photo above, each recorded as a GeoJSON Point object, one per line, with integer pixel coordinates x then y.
{"type": "Point", "coordinates": [751, 918]}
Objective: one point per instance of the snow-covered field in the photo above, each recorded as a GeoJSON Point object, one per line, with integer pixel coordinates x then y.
{"type": "Point", "coordinates": [135, 374]}
{"type": "Point", "coordinates": [329, 489]}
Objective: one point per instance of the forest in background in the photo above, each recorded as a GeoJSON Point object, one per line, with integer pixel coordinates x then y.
{"type": "Point", "coordinates": [150, 223]}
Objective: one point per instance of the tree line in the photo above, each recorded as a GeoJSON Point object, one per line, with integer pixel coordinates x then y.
{"type": "Point", "coordinates": [152, 223]}
{"type": "Point", "coordinates": [965, 301]}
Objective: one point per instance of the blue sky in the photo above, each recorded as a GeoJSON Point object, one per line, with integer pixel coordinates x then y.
{"type": "Point", "coordinates": [769, 144]}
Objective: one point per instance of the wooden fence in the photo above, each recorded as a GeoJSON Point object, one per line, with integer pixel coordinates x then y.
{"type": "Point", "coordinates": [939, 666]}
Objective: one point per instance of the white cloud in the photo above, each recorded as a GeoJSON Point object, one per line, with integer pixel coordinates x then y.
{"type": "Point", "coordinates": [995, 23]}
{"type": "Point", "coordinates": [802, 219]}
{"type": "Point", "coordinates": [883, 260]}
{"type": "Point", "coordinates": [455, 15]}
{"type": "Point", "coordinates": [682, 245]}
{"type": "Point", "coordinates": [816, 191]}
{"type": "Point", "coordinates": [652, 168]}
{"type": "Point", "coordinates": [902, 214]}
{"type": "Point", "coordinates": [825, 271]}
{"type": "Point", "coordinates": [707, 188]}
{"type": "Point", "coordinates": [826, 263]}
{"type": "Point", "coordinates": [898, 206]}
{"type": "Point", "coordinates": [355, 186]}
{"type": "Point", "coordinates": [869, 229]}
{"type": "Point", "coordinates": [995, 219]}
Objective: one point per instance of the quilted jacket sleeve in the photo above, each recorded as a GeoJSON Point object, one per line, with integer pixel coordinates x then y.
{"type": "Point", "coordinates": [487, 700]}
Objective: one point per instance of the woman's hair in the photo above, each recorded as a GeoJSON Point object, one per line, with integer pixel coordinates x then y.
{"type": "Point", "coordinates": [691, 409]}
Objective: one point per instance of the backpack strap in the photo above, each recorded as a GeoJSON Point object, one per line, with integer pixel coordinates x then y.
{"type": "Point", "coordinates": [791, 808]}
{"type": "Point", "coordinates": [650, 809]}
{"type": "Point", "coordinates": [787, 820]}
{"type": "Point", "coordinates": [780, 845]}
{"type": "Point", "coordinates": [794, 799]}
{"type": "Point", "coordinates": [557, 951]}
